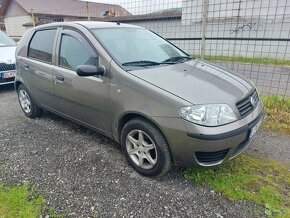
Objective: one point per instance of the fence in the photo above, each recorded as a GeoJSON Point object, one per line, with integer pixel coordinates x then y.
{"type": "Point", "coordinates": [250, 37]}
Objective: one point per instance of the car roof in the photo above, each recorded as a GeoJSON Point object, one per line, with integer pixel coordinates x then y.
{"type": "Point", "coordinates": [88, 25]}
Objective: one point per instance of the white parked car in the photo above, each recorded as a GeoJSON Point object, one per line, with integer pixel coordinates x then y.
{"type": "Point", "coordinates": [7, 59]}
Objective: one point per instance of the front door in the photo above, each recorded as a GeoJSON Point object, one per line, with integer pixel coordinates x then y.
{"type": "Point", "coordinates": [84, 99]}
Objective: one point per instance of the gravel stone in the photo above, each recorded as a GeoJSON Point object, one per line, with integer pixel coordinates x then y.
{"type": "Point", "coordinates": [33, 152]}
{"type": "Point", "coordinates": [271, 145]}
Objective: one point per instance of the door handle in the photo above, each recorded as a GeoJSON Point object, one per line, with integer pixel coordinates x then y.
{"type": "Point", "coordinates": [26, 66]}
{"type": "Point", "coordinates": [59, 77]}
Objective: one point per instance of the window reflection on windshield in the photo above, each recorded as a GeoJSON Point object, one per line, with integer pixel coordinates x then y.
{"type": "Point", "coordinates": [5, 40]}
{"type": "Point", "coordinates": [133, 44]}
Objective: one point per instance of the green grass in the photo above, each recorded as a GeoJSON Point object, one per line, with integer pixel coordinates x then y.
{"type": "Point", "coordinates": [266, 183]}
{"type": "Point", "coordinates": [263, 61]}
{"type": "Point", "coordinates": [21, 201]}
{"type": "Point", "coordinates": [277, 114]}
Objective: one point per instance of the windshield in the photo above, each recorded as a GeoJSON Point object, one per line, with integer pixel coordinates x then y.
{"type": "Point", "coordinates": [6, 40]}
{"type": "Point", "coordinates": [138, 47]}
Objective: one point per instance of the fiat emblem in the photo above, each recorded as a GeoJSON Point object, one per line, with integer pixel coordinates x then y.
{"type": "Point", "coordinates": [253, 102]}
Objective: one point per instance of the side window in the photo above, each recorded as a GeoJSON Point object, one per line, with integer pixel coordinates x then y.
{"type": "Point", "coordinates": [41, 45]}
{"type": "Point", "coordinates": [73, 53]}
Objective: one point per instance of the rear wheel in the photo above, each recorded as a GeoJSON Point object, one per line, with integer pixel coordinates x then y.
{"type": "Point", "coordinates": [27, 104]}
{"type": "Point", "coordinates": [146, 148]}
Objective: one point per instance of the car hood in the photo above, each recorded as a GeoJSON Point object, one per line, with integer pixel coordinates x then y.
{"type": "Point", "coordinates": [197, 82]}
{"type": "Point", "coordinates": [7, 54]}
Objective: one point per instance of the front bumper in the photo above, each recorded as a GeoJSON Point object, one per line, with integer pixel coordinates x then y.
{"type": "Point", "coordinates": [194, 145]}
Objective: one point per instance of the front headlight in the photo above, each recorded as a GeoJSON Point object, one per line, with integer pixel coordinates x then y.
{"type": "Point", "coordinates": [209, 114]}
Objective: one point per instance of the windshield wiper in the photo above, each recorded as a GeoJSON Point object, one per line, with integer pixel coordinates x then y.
{"type": "Point", "coordinates": [176, 59]}
{"type": "Point", "coordinates": [141, 63]}
{"type": "Point", "coordinates": [144, 63]}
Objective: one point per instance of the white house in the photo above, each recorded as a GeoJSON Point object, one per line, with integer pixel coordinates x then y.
{"type": "Point", "coordinates": [22, 14]}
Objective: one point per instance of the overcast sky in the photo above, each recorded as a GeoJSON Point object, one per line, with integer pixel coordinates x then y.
{"type": "Point", "coordinates": [143, 6]}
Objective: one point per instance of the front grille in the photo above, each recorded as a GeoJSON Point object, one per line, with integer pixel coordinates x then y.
{"type": "Point", "coordinates": [6, 67]}
{"type": "Point", "coordinates": [248, 104]}
{"type": "Point", "coordinates": [211, 157]}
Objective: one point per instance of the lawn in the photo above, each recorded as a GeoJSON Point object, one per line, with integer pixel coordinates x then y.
{"type": "Point", "coordinates": [247, 60]}
{"type": "Point", "coordinates": [266, 183]}
{"type": "Point", "coordinates": [277, 114]}
{"type": "Point", "coordinates": [22, 201]}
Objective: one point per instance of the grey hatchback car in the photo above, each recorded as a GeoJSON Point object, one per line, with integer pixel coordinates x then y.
{"type": "Point", "coordinates": [163, 106]}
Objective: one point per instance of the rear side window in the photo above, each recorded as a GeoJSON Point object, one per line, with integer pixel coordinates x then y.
{"type": "Point", "coordinates": [73, 53]}
{"type": "Point", "coordinates": [41, 45]}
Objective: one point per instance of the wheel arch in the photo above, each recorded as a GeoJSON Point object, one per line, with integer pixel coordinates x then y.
{"type": "Point", "coordinates": [17, 83]}
{"type": "Point", "coordinates": [125, 118]}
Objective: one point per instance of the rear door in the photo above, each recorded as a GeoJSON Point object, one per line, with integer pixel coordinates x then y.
{"type": "Point", "coordinates": [84, 99]}
{"type": "Point", "coordinates": [36, 69]}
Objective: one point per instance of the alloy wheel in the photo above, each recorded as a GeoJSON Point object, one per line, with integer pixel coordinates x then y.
{"type": "Point", "coordinates": [141, 149]}
{"type": "Point", "coordinates": [24, 101]}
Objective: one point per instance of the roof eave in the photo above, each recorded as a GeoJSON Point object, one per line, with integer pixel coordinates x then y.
{"type": "Point", "coordinates": [147, 17]}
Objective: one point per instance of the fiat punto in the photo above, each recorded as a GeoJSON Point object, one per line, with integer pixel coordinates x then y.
{"type": "Point", "coordinates": [163, 106]}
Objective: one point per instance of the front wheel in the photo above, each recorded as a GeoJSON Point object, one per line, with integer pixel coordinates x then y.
{"type": "Point", "coordinates": [146, 148]}
{"type": "Point", "coordinates": [27, 104]}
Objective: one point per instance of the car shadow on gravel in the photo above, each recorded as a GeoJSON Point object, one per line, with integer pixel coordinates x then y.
{"type": "Point", "coordinates": [74, 127]}
{"type": "Point", "coordinates": [6, 88]}
{"type": "Point", "coordinates": [99, 138]}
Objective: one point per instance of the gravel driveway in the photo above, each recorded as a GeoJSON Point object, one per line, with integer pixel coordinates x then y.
{"type": "Point", "coordinates": [84, 174]}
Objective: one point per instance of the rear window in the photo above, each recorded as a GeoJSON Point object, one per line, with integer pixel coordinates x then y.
{"type": "Point", "coordinates": [41, 45]}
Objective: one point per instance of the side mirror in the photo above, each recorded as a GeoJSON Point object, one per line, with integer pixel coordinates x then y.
{"type": "Point", "coordinates": [90, 70]}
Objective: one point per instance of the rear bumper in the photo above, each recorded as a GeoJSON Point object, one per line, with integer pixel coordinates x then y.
{"type": "Point", "coordinates": [193, 145]}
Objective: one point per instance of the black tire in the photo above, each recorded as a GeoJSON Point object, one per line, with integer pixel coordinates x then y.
{"type": "Point", "coordinates": [35, 111]}
{"type": "Point", "coordinates": [164, 159]}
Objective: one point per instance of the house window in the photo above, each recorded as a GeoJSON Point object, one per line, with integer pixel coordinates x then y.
{"type": "Point", "coordinates": [59, 19]}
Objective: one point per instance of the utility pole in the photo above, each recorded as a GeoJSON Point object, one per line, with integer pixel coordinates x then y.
{"type": "Point", "coordinates": [204, 28]}
{"type": "Point", "coordinates": [88, 12]}
{"type": "Point", "coordinates": [33, 18]}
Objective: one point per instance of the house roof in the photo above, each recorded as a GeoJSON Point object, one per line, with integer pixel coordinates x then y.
{"type": "Point", "coordinates": [143, 17]}
{"type": "Point", "coordinates": [72, 8]}
{"type": "Point", "coordinates": [159, 15]}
